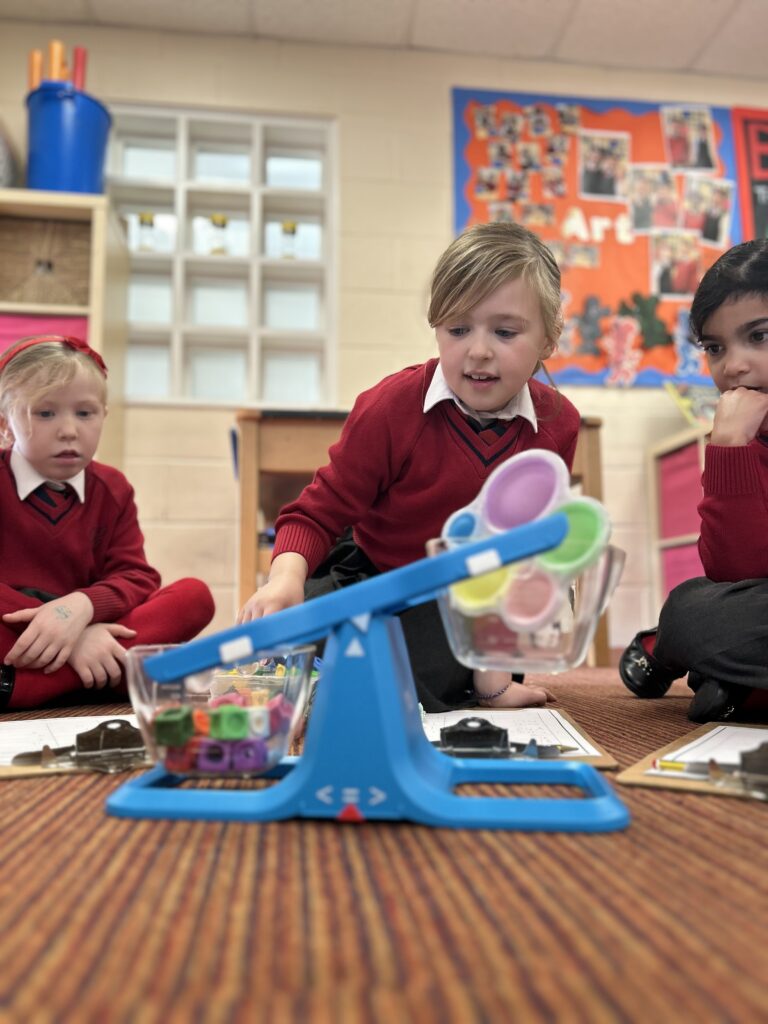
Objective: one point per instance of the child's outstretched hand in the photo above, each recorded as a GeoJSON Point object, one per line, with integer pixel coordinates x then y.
{"type": "Point", "coordinates": [283, 589]}
{"type": "Point", "coordinates": [54, 629]}
{"type": "Point", "coordinates": [97, 656]}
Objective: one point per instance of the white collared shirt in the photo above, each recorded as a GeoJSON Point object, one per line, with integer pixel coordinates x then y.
{"type": "Point", "coordinates": [28, 479]}
{"type": "Point", "coordinates": [520, 405]}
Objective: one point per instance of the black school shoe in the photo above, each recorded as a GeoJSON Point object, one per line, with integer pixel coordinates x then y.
{"type": "Point", "coordinates": [641, 672]}
{"type": "Point", "coordinates": [713, 701]}
{"type": "Point", "coordinates": [7, 682]}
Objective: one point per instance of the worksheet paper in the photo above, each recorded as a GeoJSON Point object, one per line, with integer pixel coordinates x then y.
{"type": "Point", "coordinates": [22, 736]}
{"type": "Point", "coordinates": [725, 743]}
{"type": "Point", "coordinates": [544, 725]}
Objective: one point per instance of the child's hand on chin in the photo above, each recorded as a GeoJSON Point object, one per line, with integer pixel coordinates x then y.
{"type": "Point", "coordinates": [740, 415]}
{"type": "Point", "coordinates": [515, 695]}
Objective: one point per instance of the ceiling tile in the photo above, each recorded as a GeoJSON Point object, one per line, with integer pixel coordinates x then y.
{"type": "Point", "coordinates": [739, 46]}
{"type": "Point", "coordinates": [503, 28]}
{"type": "Point", "coordinates": [361, 22]}
{"type": "Point", "coordinates": [178, 15]}
{"type": "Point", "coordinates": [717, 37]}
{"type": "Point", "coordinates": [653, 34]}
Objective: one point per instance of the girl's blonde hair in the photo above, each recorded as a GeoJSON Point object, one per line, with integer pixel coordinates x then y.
{"type": "Point", "coordinates": [35, 371]}
{"type": "Point", "coordinates": [486, 256]}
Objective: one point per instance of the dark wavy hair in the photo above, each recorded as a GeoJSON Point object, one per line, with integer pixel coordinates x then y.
{"type": "Point", "coordinates": [743, 270]}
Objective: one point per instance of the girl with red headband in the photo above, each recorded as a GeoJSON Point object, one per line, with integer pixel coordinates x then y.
{"type": "Point", "coordinates": [75, 587]}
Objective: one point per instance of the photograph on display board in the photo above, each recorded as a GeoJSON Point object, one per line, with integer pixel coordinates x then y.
{"type": "Point", "coordinates": [635, 200]}
{"type": "Point", "coordinates": [603, 164]}
{"type": "Point", "coordinates": [675, 263]}
{"type": "Point", "coordinates": [652, 197]}
{"type": "Point", "coordinates": [537, 215]}
{"type": "Point", "coordinates": [689, 137]}
{"type": "Point", "coordinates": [707, 204]}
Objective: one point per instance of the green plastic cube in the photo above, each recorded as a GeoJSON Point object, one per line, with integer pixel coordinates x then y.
{"type": "Point", "coordinates": [174, 726]}
{"type": "Point", "coordinates": [229, 722]}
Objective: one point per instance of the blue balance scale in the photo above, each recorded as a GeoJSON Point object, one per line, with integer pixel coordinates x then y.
{"type": "Point", "coordinates": [366, 756]}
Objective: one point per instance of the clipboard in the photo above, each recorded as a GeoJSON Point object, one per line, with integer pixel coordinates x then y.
{"type": "Point", "coordinates": [70, 745]}
{"type": "Point", "coordinates": [636, 774]}
{"type": "Point", "coordinates": [524, 725]}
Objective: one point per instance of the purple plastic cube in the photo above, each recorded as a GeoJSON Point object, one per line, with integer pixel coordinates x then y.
{"type": "Point", "coordinates": [280, 714]}
{"type": "Point", "coordinates": [214, 756]}
{"type": "Point", "coordinates": [249, 756]}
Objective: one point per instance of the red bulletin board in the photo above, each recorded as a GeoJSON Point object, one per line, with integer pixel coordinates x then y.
{"type": "Point", "coordinates": [636, 200]}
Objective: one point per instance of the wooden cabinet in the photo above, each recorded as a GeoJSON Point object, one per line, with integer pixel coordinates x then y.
{"type": "Point", "coordinates": [278, 453]}
{"type": "Point", "coordinates": [64, 270]}
{"type": "Point", "coordinates": [674, 471]}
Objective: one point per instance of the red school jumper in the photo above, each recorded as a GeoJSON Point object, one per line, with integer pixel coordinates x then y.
{"type": "Point", "coordinates": [397, 473]}
{"type": "Point", "coordinates": [53, 543]}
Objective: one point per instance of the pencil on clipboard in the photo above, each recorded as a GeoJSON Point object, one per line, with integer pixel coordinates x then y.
{"type": "Point", "coordinates": [663, 764]}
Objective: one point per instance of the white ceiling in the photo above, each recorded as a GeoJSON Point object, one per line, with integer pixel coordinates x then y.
{"type": "Point", "coordinates": [718, 37]}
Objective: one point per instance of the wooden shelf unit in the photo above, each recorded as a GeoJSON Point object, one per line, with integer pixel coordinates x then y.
{"type": "Point", "coordinates": [293, 445]}
{"type": "Point", "coordinates": [55, 243]}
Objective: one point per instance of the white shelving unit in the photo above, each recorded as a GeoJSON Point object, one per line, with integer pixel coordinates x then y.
{"type": "Point", "coordinates": [230, 223]}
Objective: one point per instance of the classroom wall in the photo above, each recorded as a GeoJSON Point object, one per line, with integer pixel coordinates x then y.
{"type": "Point", "coordinates": [395, 204]}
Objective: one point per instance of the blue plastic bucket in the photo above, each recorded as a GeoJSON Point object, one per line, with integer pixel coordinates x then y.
{"type": "Point", "coordinates": [67, 139]}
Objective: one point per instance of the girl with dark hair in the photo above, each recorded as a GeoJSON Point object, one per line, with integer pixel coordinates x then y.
{"type": "Point", "coordinates": [715, 628]}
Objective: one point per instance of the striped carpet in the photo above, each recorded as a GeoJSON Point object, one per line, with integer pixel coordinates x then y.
{"type": "Point", "coordinates": [106, 920]}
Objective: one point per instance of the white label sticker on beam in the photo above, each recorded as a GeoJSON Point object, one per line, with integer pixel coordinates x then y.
{"type": "Point", "coordinates": [233, 650]}
{"type": "Point", "coordinates": [483, 561]}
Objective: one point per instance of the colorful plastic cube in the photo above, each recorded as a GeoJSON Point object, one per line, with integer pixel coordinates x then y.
{"type": "Point", "coordinates": [249, 756]}
{"type": "Point", "coordinates": [228, 698]}
{"type": "Point", "coordinates": [182, 759]}
{"type": "Point", "coordinates": [213, 756]}
{"type": "Point", "coordinates": [280, 714]}
{"type": "Point", "coordinates": [173, 726]}
{"type": "Point", "coordinates": [259, 696]}
{"type": "Point", "coordinates": [201, 721]}
{"type": "Point", "coordinates": [229, 722]}
{"type": "Point", "coordinates": [259, 722]}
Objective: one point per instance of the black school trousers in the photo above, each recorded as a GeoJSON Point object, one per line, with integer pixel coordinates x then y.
{"type": "Point", "coordinates": [442, 683]}
{"type": "Point", "coordinates": [716, 631]}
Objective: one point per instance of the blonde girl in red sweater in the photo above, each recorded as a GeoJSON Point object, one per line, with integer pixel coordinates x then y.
{"type": "Point", "coordinates": [75, 587]}
{"type": "Point", "coordinates": [419, 444]}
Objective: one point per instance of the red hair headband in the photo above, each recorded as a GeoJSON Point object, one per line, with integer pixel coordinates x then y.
{"type": "Point", "coordinates": [74, 343]}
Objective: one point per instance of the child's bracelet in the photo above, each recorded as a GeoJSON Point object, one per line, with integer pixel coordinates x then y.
{"type": "Point", "coordinates": [493, 696]}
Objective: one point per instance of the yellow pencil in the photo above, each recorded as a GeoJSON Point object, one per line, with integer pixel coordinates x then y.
{"type": "Point", "coordinates": [692, 767]}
